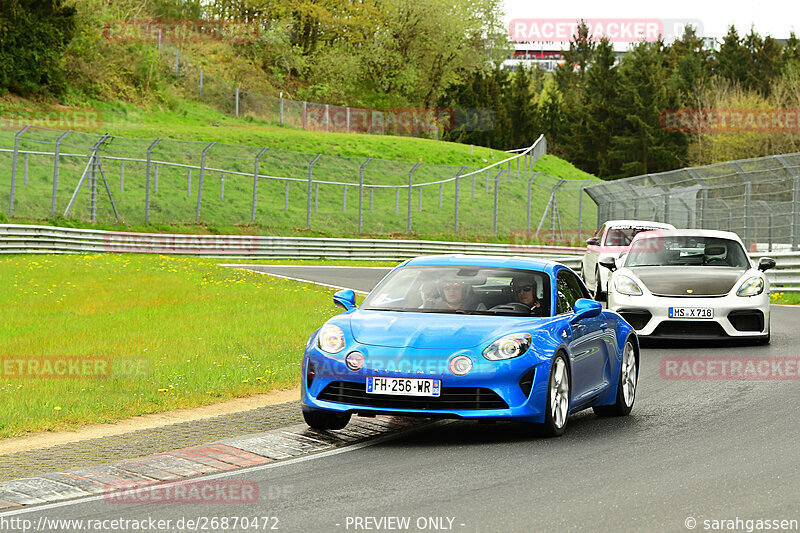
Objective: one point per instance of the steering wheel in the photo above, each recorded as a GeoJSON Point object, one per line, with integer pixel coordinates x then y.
{"type": "Point", "coordinates": [516, 307]}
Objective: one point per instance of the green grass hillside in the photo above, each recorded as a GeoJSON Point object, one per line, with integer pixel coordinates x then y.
{"type": "Point", "coordinates": [291, 150]}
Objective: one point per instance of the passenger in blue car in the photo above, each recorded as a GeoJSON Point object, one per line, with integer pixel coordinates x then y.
{"type": "Point", "coordinates": [524, 290]}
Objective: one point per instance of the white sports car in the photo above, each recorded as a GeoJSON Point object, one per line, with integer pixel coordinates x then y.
{"type": "Point", "coordinates": [613, 239]}
{"type": "Point", "coordinates": [696, 284]}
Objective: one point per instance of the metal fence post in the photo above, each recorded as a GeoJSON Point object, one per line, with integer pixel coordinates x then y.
{"type": "Point", "coordinates": [440, 195]}
{"type": "Point", "coordinates": [255, 187]}
{"type": "Point", "coordinates": [189, 183]}
{"type": "Point", "coordinates": [496, 189]}
{"type": "Point", "coordinates": [487, 181]}
{"type": "Point", "coordinates": [93, 177]}
{"type": "Point", "coordinates": [310, 182]}
{"type": "Point", "coordinates": [795, 212]}
{"type": "Point", "coordinates": [281, 107]}
{"type": "Point", "coordinates": [27, 157]}
{"type": "Point", "coordinates": [286, 195]}
{"type": "Point", "coordinates": [458, 196]}
{"type": "Point", "coordinates": [518, 158]}
{"type": "Point", "coordinates": [419, 199]}
{"type": "Point", "coordinates": [237, 101]}
{"type": "Point", "coordinates": [304, 114]}
{"type": "Point", "coordinates": [371, 190]}
{"type": "Point", "coordinates": [327, 116]}
{"type": "Point", "coordinates": [155, 180]}
{"type": "Point", "coordinates": [344, 199]}
{"type": "Point", "coordinates": [56, 159]}
{"type": "Point", "coordinates": [361, 190]}
{"type": "Point", "coordinates": [397, 201]}
{"type": "Point", "coordinates": [410, 195]}
{"type": "Point", "coordinates": [147, 184]}
{"type": "Point", "coordinates": [580, 206]}
{"type": "Point", "coordinates": [530, 184]}
{"type": "Point", "coordinates": [14, 169]}
{"type": "Point", "coordinates": [159, 40]}
{"type": "Point", "coordinates": [200, 182]}
{"type": "Point", "coordinates": [316, 197]}
{"type": "Point", "coordinates": [748, 196]}
{"type": "Point", "coordinates": [348, 119]}
{"type": "Point", "coordinates": [221, 185]}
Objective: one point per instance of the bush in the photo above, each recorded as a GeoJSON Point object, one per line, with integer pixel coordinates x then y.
{"type": "Point", "coordinates": [32, 41]}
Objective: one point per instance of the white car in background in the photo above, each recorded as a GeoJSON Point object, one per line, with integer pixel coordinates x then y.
{"type": "Point", "coordinates": [698, 284]}
{"type": "Point", "coordinates": [613, 239]}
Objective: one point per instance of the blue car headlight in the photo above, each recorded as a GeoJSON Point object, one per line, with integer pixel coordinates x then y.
{"type": "Point", "coordinates": [330, 339]}
{"type": "Point", "coordinates": [508, 347]}
{"type": "Point", "coordinates": [752, 287]}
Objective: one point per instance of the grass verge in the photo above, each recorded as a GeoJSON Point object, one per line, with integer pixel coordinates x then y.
{"type": "Point", "coordinates": [166, 333]}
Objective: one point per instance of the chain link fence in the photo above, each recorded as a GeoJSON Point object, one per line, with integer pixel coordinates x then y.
{"type": "Point", "coordinates": [100, 178]}
{"type": "Point", "coordinates": [759, 199]}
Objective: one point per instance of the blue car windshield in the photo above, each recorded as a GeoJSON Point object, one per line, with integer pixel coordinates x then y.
{"type": "Point", "coordinates": [687, 251]}
{"type": "Point", "coordinates": [467, 289]}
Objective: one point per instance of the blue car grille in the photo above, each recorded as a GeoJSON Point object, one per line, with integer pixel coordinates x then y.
{"type": "Point", "coordinates": [452, 398]}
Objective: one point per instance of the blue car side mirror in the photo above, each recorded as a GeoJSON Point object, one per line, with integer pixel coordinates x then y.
{"type": "Point", "coordinates": [586, 308]}
{"type": "Point", "coordinates": [345, 299]}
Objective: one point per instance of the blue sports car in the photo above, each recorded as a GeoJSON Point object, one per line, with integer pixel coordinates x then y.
{"type": "Point", "coordinates": [473, 337]}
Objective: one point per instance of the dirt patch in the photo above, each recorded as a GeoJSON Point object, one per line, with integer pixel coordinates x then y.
{"type": "Point", "coordinates": [45, 439]}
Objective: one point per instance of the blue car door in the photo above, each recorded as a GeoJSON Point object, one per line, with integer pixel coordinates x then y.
{"type": "Point", "coordinates": [589, 341]}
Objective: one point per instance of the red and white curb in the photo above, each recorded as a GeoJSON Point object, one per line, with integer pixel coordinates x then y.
{"type": "Point", "coordinates": [226, 455]}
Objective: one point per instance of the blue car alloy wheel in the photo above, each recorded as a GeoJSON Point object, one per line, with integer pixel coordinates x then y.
{"type": "Point", "coordinates": [471, 337]}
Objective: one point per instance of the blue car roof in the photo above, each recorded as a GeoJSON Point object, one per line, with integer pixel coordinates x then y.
{"type": "Point", "coordinates": [527, 263]}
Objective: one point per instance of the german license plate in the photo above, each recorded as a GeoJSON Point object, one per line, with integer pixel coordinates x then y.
{"type": "Point", "coordinates": [691, 312]}
{"type": "Point", "coordinates": [404, 386]}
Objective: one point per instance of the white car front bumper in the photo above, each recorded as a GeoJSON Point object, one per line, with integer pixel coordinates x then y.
{"type": "Point", "coordinates": [734, 316]}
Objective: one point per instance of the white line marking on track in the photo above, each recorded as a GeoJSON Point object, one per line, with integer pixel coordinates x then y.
{"type": "Point", "coordinates": [306, 281]}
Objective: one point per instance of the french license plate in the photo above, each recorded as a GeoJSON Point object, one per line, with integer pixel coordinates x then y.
{"type": "Point", "coordinates": [691, 312]}
{"type": "Point", "coordinates": [404, 386]}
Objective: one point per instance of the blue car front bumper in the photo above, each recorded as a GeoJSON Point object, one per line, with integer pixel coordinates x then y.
{"type": "Point", "coordinates": [510, 389]}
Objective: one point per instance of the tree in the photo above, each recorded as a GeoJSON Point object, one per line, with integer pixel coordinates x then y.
{"type": "Point", "coordinates": [602, 115]}
{"type": "Point", "coordinates": [690, 64]}
{"type": "Point", "coordinates": [643, 146]}
{"type": "Point", "coordinates": [33, 37]}
{"type": "Point", "coordinates": [764, 66]}
{"type": "Point", "coordinates": [733, 58]}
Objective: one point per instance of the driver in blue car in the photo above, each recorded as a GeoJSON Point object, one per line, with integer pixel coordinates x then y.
{"type": "Point", "coordinates": [524, 290]}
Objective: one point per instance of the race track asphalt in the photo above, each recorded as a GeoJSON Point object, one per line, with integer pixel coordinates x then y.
{"type": "Point", "coordinates": [693, 450]}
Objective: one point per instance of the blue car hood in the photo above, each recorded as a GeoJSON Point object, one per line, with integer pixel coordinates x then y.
{"type": "Point", "coordinates": [428, 330]}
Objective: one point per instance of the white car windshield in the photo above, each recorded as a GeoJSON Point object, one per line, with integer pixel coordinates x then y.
{"type": "Point", "coordinates": [466, 289]}
{"type": "Point", "coordinates": [687, 251]}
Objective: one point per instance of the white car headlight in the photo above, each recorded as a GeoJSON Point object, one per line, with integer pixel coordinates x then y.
{"type": "Point", "coordinates": [508, 347]}
{"type": "Point", "coordinates": [625, 285]}
{"type": "Point", "coordinates": [751, 287]}
{"type": "Point", "coordinates": [331, 339]}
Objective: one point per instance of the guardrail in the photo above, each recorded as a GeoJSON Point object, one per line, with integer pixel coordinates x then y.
{"type": "Point", "coordinates": [16, 238]}
{"type": "Point", "coordinates": [20, 239]}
